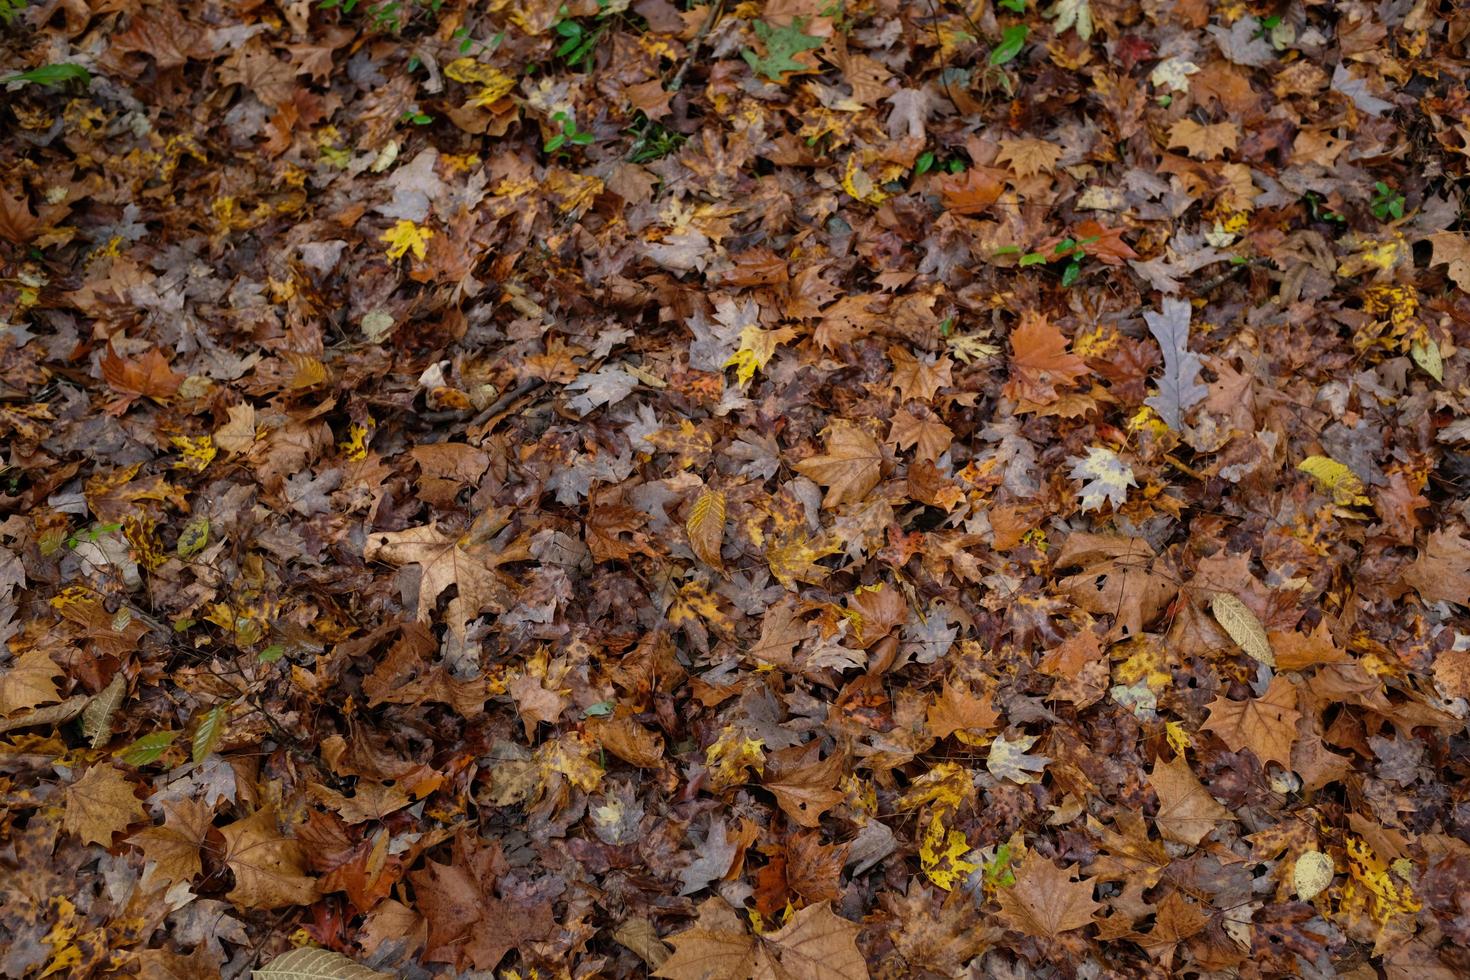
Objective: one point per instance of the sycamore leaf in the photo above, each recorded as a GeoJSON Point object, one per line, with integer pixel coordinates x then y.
{"type": "Point", "coordinates": [755, 350]}
{"type": "Point", "coordinates": [941, 855]}
{"type": "Point", "coordinates": [1204, 142]}
{"type": "Point", "coordinates": [29, 682]}
{"type": "Point", "coordinates": [1179, 387]}
{"type": "Point", "coordinates": [270, 869]}
{"type": "Point", "coordinates": [1187, 812]}
{"type": "Point", "coordinates": [1265, 725]}
{"type": "Point", "coordinates": [315, 964]}
{"type": "Point", "coordinates": [1106, 478]}
{"type": "Point", "coordinates": [405, 237]}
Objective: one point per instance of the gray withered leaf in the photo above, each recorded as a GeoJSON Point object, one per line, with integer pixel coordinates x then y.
{"type": "Point", "coordinates": [1179, 387]}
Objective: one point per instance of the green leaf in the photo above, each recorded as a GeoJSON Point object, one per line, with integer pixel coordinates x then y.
{"type": "Point", "coordinates": [52, 76]}
{"type": "Point", "coordinates": [782, 44]}
{"type": "Point", "coordinates": [1012, 39]}
{"type": "Point", "coordinates": [598, 710]}
{"type": "Point", "coordinates": [554, 144]}
{"type": "Point", "coordinates": [147, 749]}
{"type": "Point", "coordinates": [1071, 272]}
{"type": "Point", "coordinates": [207, 735]}
{"type": "Point", "coordinates": [272, 653]}
{"type": "Point", "coordinates": [193, 538]}
{"type": "Point", "coordinates": [1032, 258]}
{"type": "Point", "coordinates": [924, 163]}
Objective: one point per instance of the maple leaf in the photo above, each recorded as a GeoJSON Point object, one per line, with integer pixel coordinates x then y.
{"type": "Point", "coordinates": [1008, 759]}
{"type": "Point", "coordinates": [958, 710]}
{"type": "Point", "coordinates": [1187, 812]}
{"type": "Point", "coordinates": [270, 869]}
{"type": "Point", "coordinates": [607, 386]}
{"type": "Point", "coordinates": [1106, 478]}
{"type": "Point", "coordinates": [1204, 142]}
{"type": "Point", "coordinates": [716, 856]}
{"type": "Point", "coordinates": [28, 682]}
{"type": "Point", "coordinates": [1179, 388]}
{"type": "Point", "coordinates": [405, 237]}
{"type": "Point", "coordinates": [147, 377]}
{"type": "Point", "coordinates": [1045, 902]}
{"type": "Point", "coordinates": [174, 848]}
{"type": "Point", "coordinates": [755, 351]}
{"type": "Point", "coordinates": [849, 469]}
{"type": "Point", "coordinates": [1265, 725]}
{"type": "Point", "coordinates": [100, 804]}
{"type": "Point", "coordinates": [1441, 573]}
{"type": "Point", "coordinates": [808, 792]}
{"type": "Point", "coordinates": [443, 561]}
{"type": "Point", "coordinates": [916, 379]}
{"type": "Point", "coordinates": [783, 45]}
{"type": "Point", "coordinates": [1029, 157]}
{"type": "Point", "coordinates": [970, 192]}
{"type": "Point", "coordinates": [942, 854]}
{"type": "Point", "coordinates": [1040, 361]}
{"type": "Point", "coordinates": [814, 945]}
{"type": "Point", "coordinates": [1454, 251]}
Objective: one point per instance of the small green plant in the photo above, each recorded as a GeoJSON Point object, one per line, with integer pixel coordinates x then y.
{"type": "Point", "coordinates": [1320, 213]}
{"type": "Point", "coordinates": [1015, 6]}
{"type": "Point", "coordinates": [579, 41]}
{"type": "Point", "coordinates": [386, 16]}
{"type": "Point", "coordinates": [927, 161]}
{"type": "Point", "coordinates": [1387, 202]}
{"type": "Point", "coordinates": [467, 44]}
{"type": "Point", "coordinates": [653, 141]}
{"type": "Point", "coordinates": [569, 134]}
{"type": "Point", "coordinates": [1071, 250]}
{"type": "Point", "coordinates": [1012, 40]}
{"type": "Point", "coordinates": [10, 9]}
{"type": "Point", "coordinates": [90, 535]}
{"type": "Point", "coordinates": [416, 116]}
{"type": "Point", "coordinates": [51, 76]}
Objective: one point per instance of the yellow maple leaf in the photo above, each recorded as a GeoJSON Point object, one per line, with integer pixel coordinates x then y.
{"type": "Point", "coordinates": [947, 785]}
{"type": "Point", "coordinates": [731, 756]}
{"type": "Point", "coordinates": [756, 348]}
{"type": "Point", "coordinates": [406, 237]}
{"type": "Point", "coordinates": [942, 853]}
{"type": "Point", "coordinates": [1336, 479]}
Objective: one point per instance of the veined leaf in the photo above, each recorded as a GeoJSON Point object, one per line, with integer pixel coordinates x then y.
{"type": "Point", "coordinates": [147, 749]}
{"type": "Point", "coordinates": [97, 716]}
{"type": "Point", "coordinates": [207, 735]}
{"type": "Point", "coordinates": [315, 964]}
{"type": "Point", "coordinates": [1179, 387]}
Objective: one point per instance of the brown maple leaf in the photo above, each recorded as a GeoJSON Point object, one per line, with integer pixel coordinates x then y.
{"type": "Point", "coordinates": [813, 869]}
{"type": "Point", "coordinates": [147, 377]}
{"type": "Point", "coordinates": [28, 682]}
{"type": "Point", "coordinates": [270, 868]}
{"type": "Point", "coordinates": [443, 560]}
{"type": "Point", "coordinates": [970, 192]}
{"type": "Point", "coordinates": [1040, 361]}
{"type": "Point", "coordinates": [806, 792]}
{"type": "Point", "coordinates": [1441, 573]}
{"type": "Point", "coordinates": [1045, 902]}
{"type": "Point", "coordinates": [174, 847]}
{"type": "Point", "coordinates": [918, 380]}
{"type": "Point", "coordinates": [815, 944]}
{"type": "Point", "coordinates": [849, 469]}
{"type": "Point", "coordinates": [1265, 725]}
{"type": "Point", "coordinates": [101, 804]}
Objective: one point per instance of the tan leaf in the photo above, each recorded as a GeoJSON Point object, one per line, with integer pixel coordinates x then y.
{"type": "Point", "coordinates": [238, 434]}
{"type": "Point", "coordinates": [957, 710]}
{"type": "Point", "coordinates": [270, 869]}
{"type": "Point", "coordinates": [849, 469]}
{"type": "Point", "coordinates": [29, 682]}
{"type": "Point", "coordinates": [1453, 250]}
{"type": "Point", "coordinates": [718, 945]}
{"type": "Point", "coordinates": [1204, 142]}
{"type": "Point", "coordinates": [1441, 573]}
{"type": "Point", "coordinates": [369, 801]}
{"type": "Point", "coordinates": [1187, 812]}
{"type": "Point", "coordinates": [1045, 902]}
{"type": "Point", "coordinates": [175, 846]}
{"type": "Point", "coordinates": [970, 192]}
{"type": "Point", "coordinates": [101, 804]}
{"type": "Point", "coordinates": [315, 964]}
{"type": "Point", "coordinates": [1243, 626]}
{"type": "Point", "coordinates": [628, 740]}
{"type": "Point", "coordinates": [1265, 725]}
{"type": "Point", "coordinates": [1029, 157]}
{"type": "Point", "coordinates": [97, 718]}
{"type": "Point", "coordinates": [535, 703]}
{"type": "Point", "coordinates": [930, 437]}
{"type": "Point", "coordinates": [1311, 875]}
{"type": "Point", "coordinates": [916, 379]}
{"type": "Point", "coordinates": [149, 376]}
{"type": "Point", "coordinates": [808, 792]}
{"type": "Point", "coordinates": [819, 945]}
{"type": "Point", "coordinates": [706, 527]}
{"type": "Point", "coordinates": [443, 561]}
{"type": "Point", "coordinates": [814, 945]}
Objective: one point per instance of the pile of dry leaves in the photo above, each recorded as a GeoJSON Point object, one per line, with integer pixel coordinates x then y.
{"type": "Point", "coordinates": [780, 489]}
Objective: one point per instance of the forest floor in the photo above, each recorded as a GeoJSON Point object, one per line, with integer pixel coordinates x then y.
{"type": "Point", "coordinates": [780, 489]}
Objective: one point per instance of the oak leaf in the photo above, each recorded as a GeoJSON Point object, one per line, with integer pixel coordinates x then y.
{"type": "Point", "coordinates": [1045, 902]}
{"type": "Point", "coordinates": [101, 804]}
{"type": "Point", "coordinates": [1265, 725]}
{"type": "Point", "coordinates": [1187, 812]}
{"type": "Point", "coordinates": [849, 469]}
